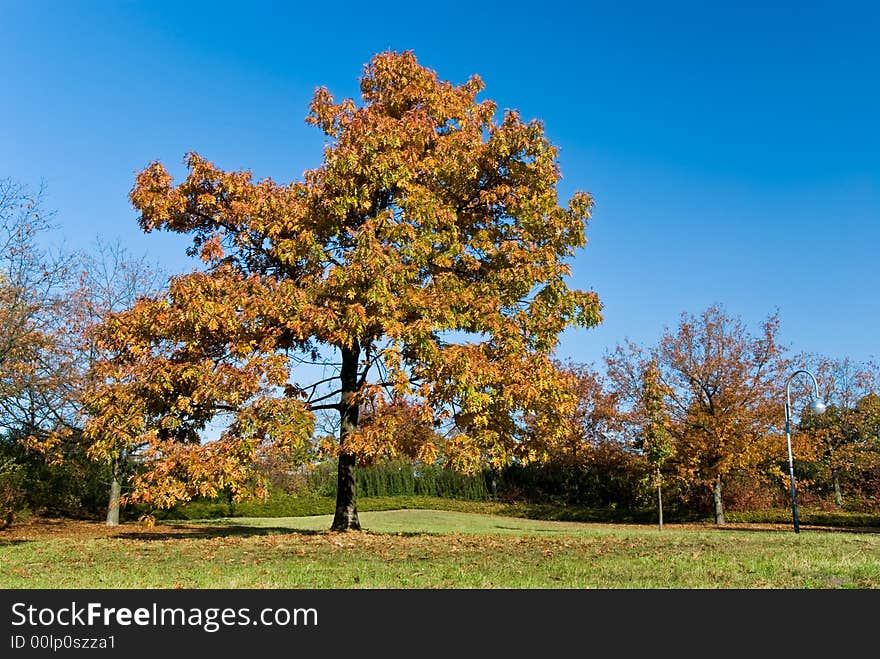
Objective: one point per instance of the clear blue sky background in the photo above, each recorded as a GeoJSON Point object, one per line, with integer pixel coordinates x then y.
{"type": "Point", "coordinates": [733, 149]}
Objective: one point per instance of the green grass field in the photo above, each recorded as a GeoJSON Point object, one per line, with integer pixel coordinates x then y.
{"type": "Point", "coordinates": [433, 549]}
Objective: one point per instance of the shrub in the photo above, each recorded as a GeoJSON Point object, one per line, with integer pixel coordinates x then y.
{"type": "Point", "coordinates": [76, 487]}
{"type": "Point", "coordinates": [608, 476]}
{"type": "Point", "coordinates": [12, 496]}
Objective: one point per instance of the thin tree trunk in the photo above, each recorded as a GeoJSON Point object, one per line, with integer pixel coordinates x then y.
{"type": "Point", "coordinates": [659, 501]}
{"type": "Point", "coordinates": [835, 480]}
{"type": "Point", "coordinates": [115, 494]}
{"type": "Point", "coordinates": [719, 505]}
{"type": "Point", "coordinates": [346, 518]}
{"type": "Point", "coordinates": [838, 495]}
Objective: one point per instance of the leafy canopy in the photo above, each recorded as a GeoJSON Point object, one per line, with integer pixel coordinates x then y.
{"type": "Point", "coordinates": [430, 243]}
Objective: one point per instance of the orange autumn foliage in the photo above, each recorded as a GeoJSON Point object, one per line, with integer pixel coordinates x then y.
{"type": "Point", "coordinates": [416, 278]}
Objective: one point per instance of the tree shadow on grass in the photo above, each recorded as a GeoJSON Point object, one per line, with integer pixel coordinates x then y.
{"type": "Point", "coordinates": [244, 531]}
{"type": "Point", "coordinates": [205, 532]}
{"type": "Point", "coordinates": [32, 529]}
{"type": "Point", "coordinates": [808, 528]}
{"type": "Point", "coordinates": [587, 515]}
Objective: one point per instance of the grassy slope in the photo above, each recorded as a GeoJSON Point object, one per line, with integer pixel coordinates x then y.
{"type": "Point", "coordinates": [439, 549]}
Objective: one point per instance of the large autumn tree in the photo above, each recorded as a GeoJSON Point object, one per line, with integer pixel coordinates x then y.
{"type": "Point", "coordinates": [720, 387]}
{"type": "Point", "coordinates": [417, 274]}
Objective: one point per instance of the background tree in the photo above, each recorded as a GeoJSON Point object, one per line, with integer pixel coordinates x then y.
{"type": "Point", "coordinates": [843, 439]}
{"type": "Point", "coordinates": [110, 280]}
{"type": "Point", "coordinates": [591, 464]}
{"type": "Point", "coordinates": [594, 420]}
{"type": "Point", "coordinates": [32, 366]}
{"type": "Point", "coordinates": [48, 302]}
{"type": "Point", "coordinates": [720, 386]}
{"type": "Point", "coordinates": [33, 306]}
{"type": "Point", "coordinates": [421, 266]}
{"type": "Point", "coordinates": [656, 439]}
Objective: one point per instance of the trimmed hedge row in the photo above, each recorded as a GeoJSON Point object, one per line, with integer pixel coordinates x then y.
{"type": "Point", "coordinates": [401, 479]}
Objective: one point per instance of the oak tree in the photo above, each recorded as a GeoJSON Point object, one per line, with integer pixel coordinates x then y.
{"type": "Point", "coordinates": [419, 272]}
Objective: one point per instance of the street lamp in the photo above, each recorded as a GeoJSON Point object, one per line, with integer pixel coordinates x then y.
{"type": "Point", "coordinates": [818, 407]}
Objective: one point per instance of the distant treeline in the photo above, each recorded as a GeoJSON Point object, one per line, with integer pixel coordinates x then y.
{"type": "Point", "coordinates": [613, 479]}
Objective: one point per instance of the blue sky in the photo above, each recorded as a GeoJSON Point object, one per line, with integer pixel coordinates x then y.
{"type": "Point", "coordinates": [733, 150]}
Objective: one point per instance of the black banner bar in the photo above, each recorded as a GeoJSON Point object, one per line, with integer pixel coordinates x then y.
{"type": "Point", "coordinates": [458, 623]}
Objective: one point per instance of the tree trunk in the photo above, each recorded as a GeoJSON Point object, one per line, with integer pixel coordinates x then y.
{"type": "Point", "coordinates": [719, 505]}
{"type": "Point", "coordinates": [659, 502]}
{"type": "Point", "coordinates": [115, 494]}
{"type": "Point", "coordinates": [838, 495]}
{"type": "Point", "coordinates": [346, 518]}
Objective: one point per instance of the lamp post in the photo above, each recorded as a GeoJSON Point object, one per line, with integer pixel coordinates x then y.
{"type": "Point", "coordinates": [818, 407]}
